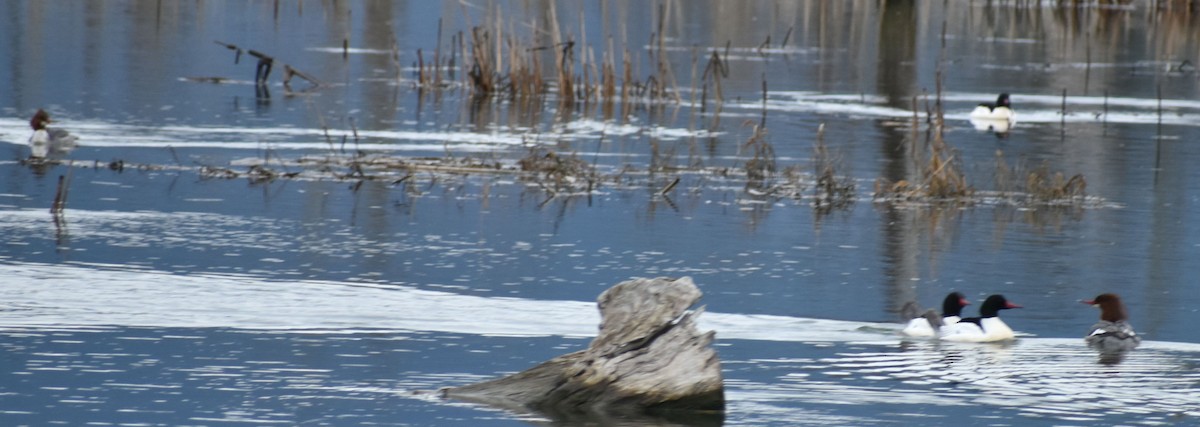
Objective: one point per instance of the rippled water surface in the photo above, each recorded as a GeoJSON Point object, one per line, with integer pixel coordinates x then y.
{"type": "Point", "coordinates": [167, 295]}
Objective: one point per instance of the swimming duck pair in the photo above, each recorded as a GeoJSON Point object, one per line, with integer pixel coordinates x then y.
{"type": "Point", "coordinates": [952, 327]}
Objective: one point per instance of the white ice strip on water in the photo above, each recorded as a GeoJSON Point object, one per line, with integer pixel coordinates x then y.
{"type": "Point", "coordinates": [93, 133]}
{"type": "Point", "coordinates": [1080, 109]}
{"type": "Point", "coordinates": [39, 295]}
{"type": "Point", "coordinates": [1018, 99]}
{"type": "Point", "coordinates": [1166, 67]}
{"type": "Point", "coordinates": [86, 295]}
{"type": "Point", "coordinates": [353, 50]}
{"type": "Point", "coordinates": [91, 295]}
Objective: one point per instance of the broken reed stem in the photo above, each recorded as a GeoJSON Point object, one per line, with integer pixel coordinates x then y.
{"type": "Point", "coordinates": [662, 17]}
{"type": "Point", "coordinates": [766, 44]}
{"type": "Point", "coordinates": [915, 125]}
{"type": "Point", "coordinates": [1160, 110]}
{"type": "Point", "coordinates": [1087, 72]}
{"type": "Point", "coordinates": [666, 75]}
{"type": "Point", "coordinates": [396, 59]}
{"type": "Point", "coordinates": [1063, 110]}
{"type": "Point", "coordinates": [669, 187]}
{"type": "Point", "coordinates": [585, 86]}
{"type": "Point", "coordinates": [762, 164]}
{"type": "Point", "coordinates": [713, 72]}
{"type": "Point", "coordinates": [437, 57]}
{"type": "Point", "coordinates": [763, 123]}
{"type": "Point", "coordinates": [1003, 175]}
{"type": "Point", "coordinates": [610, 72]}
{"type": "Point", "coordinates": [60, 193]}
{"type": "Point", "coordinates": [626, 80]}
{"type": "Point", "coordinates": [940, 65]}
{"type": "Point", "coordinates": [56, 207]}
{"type": "Point", "coordinates": [563, 59]}
{"type": "Point", "coordinates": [420, 68]}
{"type": "Point", "coordinates": [695, 81]}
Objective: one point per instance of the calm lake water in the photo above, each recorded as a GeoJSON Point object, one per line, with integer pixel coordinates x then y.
{"type": "Point", "coordinates": [168, 297]}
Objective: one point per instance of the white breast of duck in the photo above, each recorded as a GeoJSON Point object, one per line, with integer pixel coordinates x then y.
{"type": "Point", "coordinates": [39, 143]}
{"type": "Point", "coordinates": [927, 325]}
{"type": "Point", "coordinates": [922, 328]}
{"type": "Point", "coordinates": [986, 328]}
{"type": "Point", "coordinates": [1000, 111]}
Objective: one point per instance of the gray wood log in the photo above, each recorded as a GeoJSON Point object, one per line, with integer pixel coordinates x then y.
{"type": "Point", "coordinates": [648, 358]}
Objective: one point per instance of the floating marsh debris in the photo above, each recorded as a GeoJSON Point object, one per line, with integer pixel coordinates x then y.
{"type": "Point", "coordinates": [262, 71]}
{"type": "Point", "coordinates": [943, 181]}
{"type": "Point", "coordinates": [1037, 185]}
{"type": "Point", "coordinates": [943, 176]}
{"type": "Point", "coordinates": [831, 191]}
{"type": "Point", "coordinates": [761, 164]}
{"type": "Point", "coordinates": [567, 173]}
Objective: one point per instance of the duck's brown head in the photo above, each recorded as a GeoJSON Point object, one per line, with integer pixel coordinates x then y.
{"type": "Point", "coordinates": [1111, 308]}
{"type": "Point", "coordinates": [39, 120]}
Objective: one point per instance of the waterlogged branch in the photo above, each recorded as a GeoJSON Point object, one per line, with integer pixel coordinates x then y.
{"type": "Point", "coordinates": [262, 69]}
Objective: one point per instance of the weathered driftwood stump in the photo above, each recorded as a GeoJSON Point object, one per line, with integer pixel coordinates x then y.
{"type": "Point", "coordinates": [649, 358]}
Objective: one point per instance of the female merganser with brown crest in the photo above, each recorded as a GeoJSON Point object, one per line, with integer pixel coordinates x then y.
{"type": "Point", "coordinates": [986, 328]}
{"type": "Point", "coordinates": [1112, 332]}
{"type": "Point", "coordinates": [1001, 110]}
{"type": "Point", "coordinates": [928, 324]}
{"type": "Point", "coordinates": [45, 140]}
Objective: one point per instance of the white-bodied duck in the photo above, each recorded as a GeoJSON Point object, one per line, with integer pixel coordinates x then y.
{"type": "Point", "coordinates": [1000, 111]}
{"type": "Point", "coordinates": [928, 323]}
{"type": "Point", "coordinates": [46, 141]}
{"type": "Point", "coordinates": [1113, 331]}
{"type": "Point", "coordinates": [986, 328]}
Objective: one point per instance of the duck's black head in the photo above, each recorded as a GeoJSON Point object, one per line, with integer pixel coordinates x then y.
{"type": "Point", "coordinates": [953, 304]}
{"type": "Point", "coordinates": [993, 304]}
{"type": "Point", "coordinates": [1003, 101]}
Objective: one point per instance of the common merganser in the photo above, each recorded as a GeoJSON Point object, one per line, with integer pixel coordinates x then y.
{"type": "Point", "coordinates": [927, 324]}
{"type": "Point", "coordinates": [1001, 110]}
{"type": "Point", "coordinates": [1112, 332]}
{"type": "Point", "coordinates": [45, 140]}
{"type": "Point", "coordinates": [986, 328]}
{"type": "Point", "coordinates": [999, 127]}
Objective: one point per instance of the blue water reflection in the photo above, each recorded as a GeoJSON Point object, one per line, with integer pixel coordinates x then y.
{"type": "Point", "coordinates": [168, 296]}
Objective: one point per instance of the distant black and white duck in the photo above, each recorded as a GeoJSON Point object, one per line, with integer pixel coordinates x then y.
{"type": "Point", "coordinates": [1000, 111]}
{"type": "Point", "coordinates": [1113, 331]}
{"type": "Point", "coordinates": [986, 328]}
{"type": "Point", "coordinates": [927, 324]}
{"type": "Point", "coordinates": [44, 140]}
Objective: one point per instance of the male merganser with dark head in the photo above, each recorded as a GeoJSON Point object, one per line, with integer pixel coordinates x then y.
{"type": "Point", "coordinates": [986, 328]}
{"type": "Point", "coordinates": [927, 324]}
{"type": "Point", "coordinates": [45, 140]}
{"type": "Point", "coordinates": [1112, 332]}
{"type": "Point", "coordinates": [1001, 110]}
